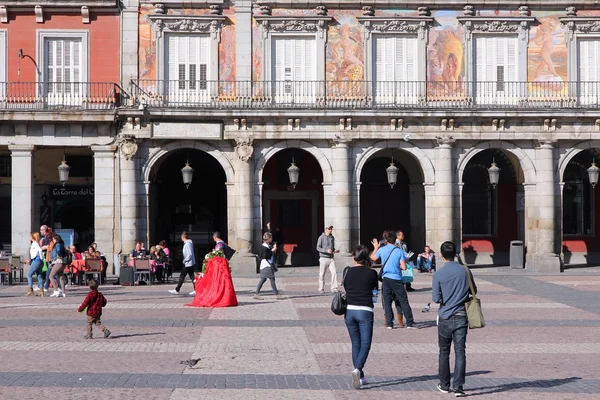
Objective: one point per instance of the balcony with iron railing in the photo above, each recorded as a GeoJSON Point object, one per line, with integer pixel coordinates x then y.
{"type": "Point", "coordinates": [364, 95]}
{"type": "Point", "coordinates": [58, 96]}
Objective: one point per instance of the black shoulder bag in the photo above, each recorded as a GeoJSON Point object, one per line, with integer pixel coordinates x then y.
{"type": "Point", "coordinates": [339, 303]}
{"type": "Point", "coordinates": [380, 275]}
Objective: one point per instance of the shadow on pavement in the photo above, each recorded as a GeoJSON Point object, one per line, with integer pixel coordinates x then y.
{"type": "Point", "coordinates": [136, 334]}
{"type": "Point", "coordinates": [422, 378]}
{"type": "Point", "coordinates": [544, 383]}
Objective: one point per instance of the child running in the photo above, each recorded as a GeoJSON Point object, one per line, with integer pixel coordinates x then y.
{"type": "Point", "coordinates": [94, 301]}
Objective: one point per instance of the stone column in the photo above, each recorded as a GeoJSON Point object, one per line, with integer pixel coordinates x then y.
{"type": "Point", "coordinates": [104, 201]}
{"type": "Point", "coordinates": [417, 218]}
{"type": "Point", "coordinates": [244, 260]}
{"type": "Point", "coordinates": [243, 39]}
{"type": "Point", "coordinates": [21, 199]}
{"type": "Point", "coordinates": [444, 194]}
{"type": "Point", "coordinates": [129, 185]}
{"type": "Point", "coordinates": [129, 41]}
{"type": "Point", "coordinates": [545, 259]}
{"type": "Point", "coordinates": [340, 206]}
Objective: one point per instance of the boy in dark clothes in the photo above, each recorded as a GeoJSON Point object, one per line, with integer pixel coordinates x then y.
{"type": "Point", "coordinates": [94, 301]}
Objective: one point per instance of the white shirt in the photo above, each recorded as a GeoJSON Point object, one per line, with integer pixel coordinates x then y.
{"type": "Point", "coordinates": [35, 250]}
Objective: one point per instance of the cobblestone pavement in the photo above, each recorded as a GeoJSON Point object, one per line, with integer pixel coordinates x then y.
{"type": "Point", "coordinates": [541, 342]}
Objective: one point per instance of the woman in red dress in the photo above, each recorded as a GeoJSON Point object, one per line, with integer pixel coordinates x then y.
{"type": "Point", "coordinates": [215, 288]}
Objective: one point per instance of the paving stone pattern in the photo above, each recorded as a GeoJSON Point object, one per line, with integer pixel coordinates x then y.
{"type": "Point", "coordinates": [296, 348]}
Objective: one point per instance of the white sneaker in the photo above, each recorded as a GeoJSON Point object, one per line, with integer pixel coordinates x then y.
{"type": "Point", "coordinates": [193, 293]}
{"type": "Point", "coordinates": [173, 291]}
{"type": "Point", "coordinates": [356, 379]}
{"type": "Point", "coordinates": [61, 294]}
{"type": "Point", "coordinates": [55, 294]}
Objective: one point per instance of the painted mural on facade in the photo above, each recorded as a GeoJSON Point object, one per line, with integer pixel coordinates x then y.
{"type": "Point", "coordinates": [445, 56]}
{"type": "Point", "coordinates": [147, 43]}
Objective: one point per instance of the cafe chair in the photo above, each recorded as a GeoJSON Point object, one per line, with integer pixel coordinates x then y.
{"type": "Point", "coordinates": [94, 267]}
{"type": "Point", "coordinates": [16, 268]}
{"type": "Point", "coordinates": [141, 268]}
{"type": "Point", "coordinates": [5, 272]}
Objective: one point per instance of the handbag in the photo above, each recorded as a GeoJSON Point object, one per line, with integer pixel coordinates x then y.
{"type": "Point", "coordinates": [380, 274]}
{"type": "Point", "coordinates": [339, 303]}
{"type": "Point", "coordinates": [473, 306]}
{"type": "Point", "coordinates": [407, 274]}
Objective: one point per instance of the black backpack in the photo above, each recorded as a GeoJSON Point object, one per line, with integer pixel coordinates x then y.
{"type": "Point", "coordinates": [228, 251]}
{"type": "Point", "coordinates": [67, 257]}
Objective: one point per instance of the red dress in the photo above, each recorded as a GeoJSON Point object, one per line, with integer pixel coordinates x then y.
{"type": "Point", "coordinates": [215, 289]}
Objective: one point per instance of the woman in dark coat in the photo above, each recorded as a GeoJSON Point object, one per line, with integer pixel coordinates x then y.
{"type": "Point", "coordinates": [267, 270]}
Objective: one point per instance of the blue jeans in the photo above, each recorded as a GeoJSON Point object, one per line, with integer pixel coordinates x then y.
{"type": "Point", "coordinates": [453, 329]}
{"type": "Point", "coordinates": [34, 269]}
{"type": "Point", "coordinates": [360, 328]}
{"type": "Point", "coordinates": [427, 263]}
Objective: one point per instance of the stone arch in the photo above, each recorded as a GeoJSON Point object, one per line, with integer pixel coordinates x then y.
{"type": "Point", "coordinates": [158, 152]}
{"type": "Point", "coordinates": [525, 163]}
{"type": "Point", "coordinates": [426, 165]}
{"type": "Point", "coordinates": [564, 160]}
{"type": "Point", "coordinates": [317, 153]}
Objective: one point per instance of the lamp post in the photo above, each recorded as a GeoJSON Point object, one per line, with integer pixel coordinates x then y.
{"type": "Point", "coordinates": [187, 173]}
{"type": "Point", "coordinates": [494, 173]}
{"type": "Point", "coordinates": [293, 173]}
{"type": "Point", "coordinates": [593, 173]}
{"type": "Point", "coordinates": [63, 172]}
{"type": "Point", "coordinates": [392, 173]}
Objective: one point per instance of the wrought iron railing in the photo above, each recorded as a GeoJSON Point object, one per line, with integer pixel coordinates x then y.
{"type": "Point", "coordinates": [364, 94]}
{"type": "Point", "coordinates": [60, 95]}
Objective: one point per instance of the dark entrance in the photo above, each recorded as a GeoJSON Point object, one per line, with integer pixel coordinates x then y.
{"type": "Point", "coordinates": [200, 210]}
{"type": "Point", "coordinates": [383, 207]}
{"type": "Point", "coordinates": [298, 212]}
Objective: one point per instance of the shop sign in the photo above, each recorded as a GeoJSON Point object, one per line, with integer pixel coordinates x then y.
{"type": "Point", "coordinates": [72, 191]}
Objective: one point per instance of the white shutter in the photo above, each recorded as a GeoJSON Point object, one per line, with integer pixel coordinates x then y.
{"type": "Point", "coordinates": [293, 67]}
{"type": "Point", "coordinates": [496, 69]}
{"type": "Point", "coordinates": [3, 58]}
{"type": "Point", "coordinates": [187, 59]}
{"type": "Point", "coordinates": [589, 70]}
{"type": "Point", "coordinates": [395, 68]}
{"type": "Point", "coordinates": [63, 66]}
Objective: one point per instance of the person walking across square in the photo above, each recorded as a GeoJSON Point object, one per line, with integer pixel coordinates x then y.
{"type": "Point", "coordinates": [450, 288]}
{"type": "Point", "coordinates": [94, 302]}
{"type": "Point", "coordinates": [189, 260]}
{"type": "Point", "coordinates": [326, 249]}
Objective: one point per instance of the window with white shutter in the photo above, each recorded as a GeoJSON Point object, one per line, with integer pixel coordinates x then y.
{"type": "Point", "coordinates": [395, 69]}
{"type": "Point", "coordinates": [496, 69]}
{"type": "Point", "coordinates": [294, 69]}
{"type": "Point", "coordinates": [187, 60]}
{"type": "Point", "coordinates": [589, 70]}
{"type": "Point", "coordinates": [3, 60]}
{"type": "Point", "coordinates": [63, 64]}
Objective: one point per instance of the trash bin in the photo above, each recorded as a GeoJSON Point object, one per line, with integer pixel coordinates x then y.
{"type": "Point", "coordinates": [126, 277]}
{"type": "Point", "coordinates": [517, 255]}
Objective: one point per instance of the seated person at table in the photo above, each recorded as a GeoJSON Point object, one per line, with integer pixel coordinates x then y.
{"type": "Point", "coordinates": [425, 260]}
{"type": "Point", "coordinates": [89, 253]}
{"type": "Point", "coordinates": [160, 258]}
{"type": "Point", "coordinates": [138, 252]}
{"type": "Point", "coordinates": [76, 255]}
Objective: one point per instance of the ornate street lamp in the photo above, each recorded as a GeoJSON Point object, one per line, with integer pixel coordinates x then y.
{"type": "Point", "coordinates": [63, 171]}
{"type": "Point", "coordinates": [293, 173]}
{"type": "Point", "coordinates": [392, 173]}
{"type": "Point", "coordinates": [593, 173]}
{"type": "Point", "coordinates": [494, 173]}
{"type": "Point", "coordinates": [187, 173]}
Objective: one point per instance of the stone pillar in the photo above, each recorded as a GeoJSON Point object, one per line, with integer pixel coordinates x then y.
{"type": "Point", "coordinates": [417, 218]}
{"type": "Point", "coordinates": [21, 199]}
{"type": "Point", "coordinates": [430, 223]}
{"type": "Point", "coordinates": [129, 41]}
{"type": "Point", "coordinates": [129, 185]}
{"type": "Point", "coordinates": [444, 195]}
{"type": "Point", "coordinates": [104, 201]}
{"type": "Point", "coordinates": [244, 260]}
{"type": "Point", "coordinates": [340, 207]}
{"type": "Point", "coordinates": [545, 259]}
{"type": "Point", "coordinates": [243, 39]}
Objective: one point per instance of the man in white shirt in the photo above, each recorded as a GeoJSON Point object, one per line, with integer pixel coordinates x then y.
{"type": "Point", "coordinates": [189, 261]}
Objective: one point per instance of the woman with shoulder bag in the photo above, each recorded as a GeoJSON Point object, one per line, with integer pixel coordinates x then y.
{"type": "Point", "coordinates": [361, 286]}
{"type": "Point", "coordinates": [267, 271]}
{"type": "Point", "coordinates": [35, 259]}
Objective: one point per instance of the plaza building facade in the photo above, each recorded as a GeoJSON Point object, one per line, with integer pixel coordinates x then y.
{"type": "Point", "coordinates": [448, 121]}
